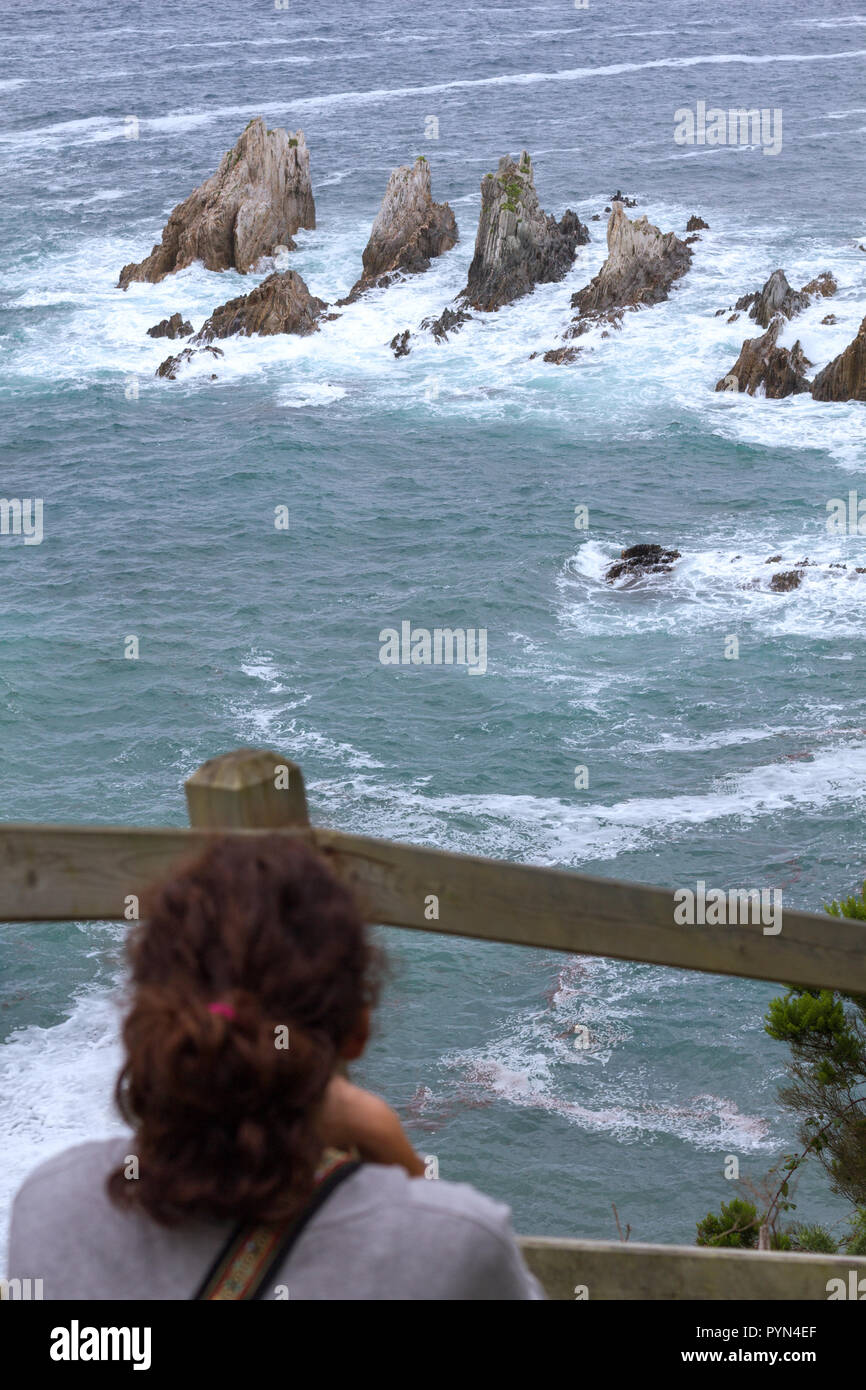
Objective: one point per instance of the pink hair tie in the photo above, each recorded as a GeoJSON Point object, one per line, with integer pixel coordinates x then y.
{"type": "Point", "coordinates": [225, 1009]}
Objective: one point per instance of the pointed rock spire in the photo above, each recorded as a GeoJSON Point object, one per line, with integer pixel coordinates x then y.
{"type": "Point", "coordinates": [257, 199]}
{"type": "Point", "coordinates": [409, 230]}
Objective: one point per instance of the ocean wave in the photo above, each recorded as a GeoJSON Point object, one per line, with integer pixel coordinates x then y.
{"type": "Point", "coordinates": [180, 120]}
{"type": "Point", "coordinates": [56, 1089]}
{"type": "Point", "coordinates": [722, 588]}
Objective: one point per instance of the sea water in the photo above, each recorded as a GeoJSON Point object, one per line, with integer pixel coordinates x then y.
{"type": "Point", "coordinates": [441, 489]}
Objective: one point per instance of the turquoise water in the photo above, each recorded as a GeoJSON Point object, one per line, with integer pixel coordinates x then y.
{"type": "Point", "coordinates": [441, 489]}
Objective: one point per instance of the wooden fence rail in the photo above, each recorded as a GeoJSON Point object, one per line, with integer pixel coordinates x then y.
{"type": "Point", "coordinates": [57, 872]}
{"type": "Point", "coordinates": [60, 872]}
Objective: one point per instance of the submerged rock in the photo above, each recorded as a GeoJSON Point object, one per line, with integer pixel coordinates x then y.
{"type": "Point", "coordinates": [642, 264]}
{"type": "Point", "coordinates": [257, 199]}
{"type": "Point", "coordinates": [789, 579]}
{"type": "Point", "coordinates": [638, 560]}
{"type": "Point", "coordinates": [409, 231]}
{"type": "Point", "coordinates": [399, 344]}
{"type": "Point", "coordinates": [561, 355]}
{"type": "Point", "coordinates": [449, 321]}
{"type": "Point", "coordinates": [172, 365]}
{"type": "Point", "coordinates": [844, 379]}
{"type": "Point", "coordinates": [280, 304]}
{"type": "Point", "coordinates": [175, 327]}
{"type": "Point", "coordinates": [518, 245]}
{"type": "Point", "coordinates": [781, 371]}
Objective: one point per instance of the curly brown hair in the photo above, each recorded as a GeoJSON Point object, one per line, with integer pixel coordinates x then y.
{"type": "Point", "coordinates": [224, 1117]}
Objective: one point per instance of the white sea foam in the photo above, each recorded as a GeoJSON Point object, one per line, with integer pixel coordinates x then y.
{"type": "Point", "coordinates": [55, 1089]}
{"type": "Point", "coordinates": [532, 1063]}
{"type": "Point", "coordinates": [94, 128]}
{"type": "Point", "coordinates": [545, 830]}
{"type": "Point", "coordinates": [711, 589]}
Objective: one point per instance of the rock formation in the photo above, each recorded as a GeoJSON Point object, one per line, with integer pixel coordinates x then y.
{"type": "Point", "coordinates": [844, 379]}
{"type": "Point", "coordinates": [175, 327]}
{"type": "Point", "coordinates": [559, 356]}
{"type": "Point", "coordinates": [399, 344]}
{"type": "Point", "coordinates": [823, 285]}
{"type": "Point", "coordinates": [172, 365]}
{"type": "Point", "coordinates": [517, 245]}
{"type": "Point", "coordinates": [697, 224]}
{"type": "Point", "coordinates": [639, 560]}
{"type": "Point", "coordinates": [409, 230]}
{"type": "Point", "coordinates": [449, 321]}
{"type": "Point", "coordinates": [781, 371]}
{"type": "Point", "coordinates": [778, 297]}
{"type": "Point", "coordinates": [257, 199]}
{"type": "Point", "coordinates": [642, 264]}
{"type": "Point", "coordinates": [280, 304]}
{"type": "Point", "coordinates": [782, 583]}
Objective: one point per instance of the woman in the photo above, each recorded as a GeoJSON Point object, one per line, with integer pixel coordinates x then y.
{"type": "Point", "coordinates": [254, 1168]}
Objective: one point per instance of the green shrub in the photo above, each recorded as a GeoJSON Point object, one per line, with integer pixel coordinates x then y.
{"type": "Point", "coordinates": [815, 1239]}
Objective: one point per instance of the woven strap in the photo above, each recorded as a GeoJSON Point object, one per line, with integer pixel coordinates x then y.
{"type": "Point", "coordinates": [253, 1253]}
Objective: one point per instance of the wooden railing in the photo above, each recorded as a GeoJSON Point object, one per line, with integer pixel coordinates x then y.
{"type": "Point", "coordinates": [57, 872]}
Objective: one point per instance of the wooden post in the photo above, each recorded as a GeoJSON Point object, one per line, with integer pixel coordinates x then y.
{"type": "Point", "coordinates": [250, 789]}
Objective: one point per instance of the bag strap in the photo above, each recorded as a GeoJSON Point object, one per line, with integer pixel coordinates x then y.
{"type": "Point", "coordinates": [252, 1254]}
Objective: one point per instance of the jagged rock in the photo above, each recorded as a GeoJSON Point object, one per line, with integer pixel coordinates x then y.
{"type": "Point", "coordinates": [638, 560]}
{"type": "Point", "coordinates": [844, 379]}
{"type": "Point", "coordinates": [257, 199]}
{"type": "Point", "coordinates": [829, 318]}
{"type": "Point", "coordinates": [642, 264]}
{"type": "Point", "coordinates": [697, 224]}
{"type": "Point", "coordinates": [777, 297]}
{"type": "Point", "coordinates": [175, 327]}
{"type": "Point", "coordinates": [399, 344]}
{"type": "Point", "coordinates": [409, 230]}
{"type": "Point", "coordinates": [449, 321]}
{"type": "Point", "coordinates": [781, 583]}
{"type": "Point", "coordinates": [772, 559]}
{"type": "Point", "coordinates": [561, 355]}
{"type": "Point", "coordinates": [781, 371]}
{"type": "Point", "coordinates": [280, 304]}
{"type": "Point", "coordinates": [170, 367]}
{"type": "Point", "coordinates": [733, 318]}
{"type": "Point", "coordinates": [518, 245]}
{"type": "Point", "coordinates": [823, 285]}
{"type": "Point", "coordinates": [619, 197]}
{"type": "Point", "coordinates": [690, 240]}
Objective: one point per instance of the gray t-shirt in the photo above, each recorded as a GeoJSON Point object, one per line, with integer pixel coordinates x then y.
{"type": "Point", "coordinates": [380, 1235]}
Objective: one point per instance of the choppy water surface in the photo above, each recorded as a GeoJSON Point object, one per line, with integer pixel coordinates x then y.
{"type": "Point", "coordinates": [441, 489]}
